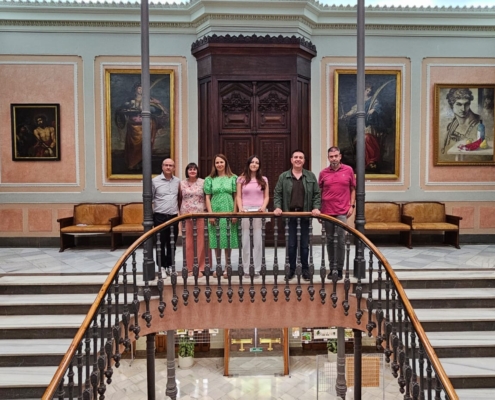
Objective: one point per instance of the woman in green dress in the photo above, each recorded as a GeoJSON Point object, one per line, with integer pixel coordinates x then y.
{"type": "Point", "coordinates": [220, 190]}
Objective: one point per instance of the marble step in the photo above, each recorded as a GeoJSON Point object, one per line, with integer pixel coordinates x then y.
{"type": "Point", "coordinates": [476, 394]}
{"type": "Point", "coordinates": [50, 284]}
{"type": "Point", "coordinates": [40, 326]}
{"type": "Point", "coordinates": [29, 304]}
{"type": "Point", "coordinates": [453, 319]}
{"type": "Point", "coordinates": [463, 344]}
{"type": "Point", "coordinates": [441, 279]}
{"type": "Point", "coordinates": [29, 352]}
{"type": "Point", "coordinates": [25, 382]}
{"type": "Point", "coordinates": [449, 298]}
{"type": "Point", "coordinates": [470, 372]}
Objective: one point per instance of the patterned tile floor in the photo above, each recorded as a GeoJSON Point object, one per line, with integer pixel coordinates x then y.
{"type": "Point", "coordinates": [205, 381]}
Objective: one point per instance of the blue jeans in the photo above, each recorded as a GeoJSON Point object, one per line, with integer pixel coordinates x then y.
{"type": "Point", "coordinates": [304, 249]}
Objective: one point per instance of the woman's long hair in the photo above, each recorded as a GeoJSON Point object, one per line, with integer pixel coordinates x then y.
{"type": "Point", "coordinates": [214, 172]}
{"type": "Point", "coordinates": [246, 174]}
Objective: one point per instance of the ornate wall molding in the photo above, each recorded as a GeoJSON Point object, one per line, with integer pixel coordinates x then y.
{"type": "Point", "coordinates": [192, 26]}
{"type": "Point", "coordinates": [253, 39]}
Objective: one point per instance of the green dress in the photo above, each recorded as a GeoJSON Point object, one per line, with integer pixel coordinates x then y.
{"type": "Point", "coordinates": [221, 189]}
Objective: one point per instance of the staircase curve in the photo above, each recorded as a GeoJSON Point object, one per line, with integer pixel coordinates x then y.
{"type": "Point", "coordinates": [127, 308]}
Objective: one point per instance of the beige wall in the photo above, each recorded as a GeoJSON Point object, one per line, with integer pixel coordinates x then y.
{"type": "Point", "coordinates": [39, 79]}
{"type": "Point", "coordinates": [56, 53]}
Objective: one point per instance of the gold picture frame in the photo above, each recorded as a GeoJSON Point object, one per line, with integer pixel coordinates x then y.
{"type": "Point", "coordinates": [382, 120]}
{"type": "Point", "coordinates": [123, 94]}
{"type": "Point", "coordinates": [459, 138]}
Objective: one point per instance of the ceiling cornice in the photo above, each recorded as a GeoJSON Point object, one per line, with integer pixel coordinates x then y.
{"type": "Point", "coordinates": [200, 16]}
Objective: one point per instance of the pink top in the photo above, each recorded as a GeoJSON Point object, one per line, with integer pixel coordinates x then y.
{"type": "Point", "coordinates": [335, 189]}
{"type": "Point", "coordinates": [252, 195]}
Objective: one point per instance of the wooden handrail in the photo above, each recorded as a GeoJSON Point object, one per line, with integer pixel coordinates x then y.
{"type": "Point", "coordinates": [69, 355]}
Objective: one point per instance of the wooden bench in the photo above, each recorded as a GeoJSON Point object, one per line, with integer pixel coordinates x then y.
{"type": "Point", "coordinates": [386, 217]}
{"type": "Point", "coordinates": [88, 218]}
{"type": "Point", "coordinates": [131, 222]}
{"type": "Point", "coordinates": [430, 216]}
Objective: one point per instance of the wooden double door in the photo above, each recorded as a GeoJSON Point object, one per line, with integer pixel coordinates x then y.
{"type": "Point", "coordinates": [255, 119]}
{"type": "Point", "coordinates": [253, 98]}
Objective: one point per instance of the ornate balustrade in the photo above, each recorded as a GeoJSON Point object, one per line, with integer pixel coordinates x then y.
{"type": "Point", "coordinates": [127, 308]}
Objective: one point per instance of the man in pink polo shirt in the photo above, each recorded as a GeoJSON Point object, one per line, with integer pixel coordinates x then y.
{"type": "Point", "coordinates": [338, 195]}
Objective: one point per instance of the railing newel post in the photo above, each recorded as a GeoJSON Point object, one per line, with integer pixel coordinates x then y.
{"type": "Point", "coordinates": [208, 290]}
{"type": "Point", "coordinates": [252, 292]}
{"type": "Point", "coordinates": [379, 309]}
{"type": "Point", "coordinates": [185, 271]}
{"type": "Point", "coordinates": [287, 264]}
{"type": "Point", "coordinates": [369, 302]}
{"type": "Point", "coordinates": [240, 269]}
{"type": "Point", "coordinates": [228, 262]}
{"type": "Point", "coordinates": [80, 367]}
{"type": "Point", "coordinates": [70, 382]}
{"type": "Point", "coordinates": [298, 260]}
{"type": "Point", "coordinates": [116, 328]}
{"type": "Point", "coordinates": [421, 364]}
{"type": "Point", "coordinates": [101, 354]}
{"type": "Point", "coordinates": [323, 270]}
{"type": "Point", "coordinates": [263, 290]}
{"type": "Point", "coordinates": [275, 290]}
{"type": "Point", "coordinates": [196, 290]}
{"type": "Point", "coordinates": [347, 280]}
{"type": "Point", "coordinates": [311, 288]}
{"type": "Point", "coordinates": [109, 341]}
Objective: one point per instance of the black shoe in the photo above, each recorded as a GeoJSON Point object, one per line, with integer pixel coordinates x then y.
{"type": "Point", "coordinates": [306, 276]}
{"type": "Point", "coordinates": [292, 274]}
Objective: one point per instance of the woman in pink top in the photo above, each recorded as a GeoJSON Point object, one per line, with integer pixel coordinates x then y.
{"type": "Point", "coordinates": [252, 195]}
{"type": "Point", "coordinates": [193, 201]}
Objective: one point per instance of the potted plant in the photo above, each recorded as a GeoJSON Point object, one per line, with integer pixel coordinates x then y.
{"type": "Point", "coordinates": [186, 352]}
{"type": "Point", "coordinates": [332, 350]}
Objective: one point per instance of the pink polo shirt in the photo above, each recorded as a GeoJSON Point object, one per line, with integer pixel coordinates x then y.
{"type": "Point", "coordinates": [335, 189]}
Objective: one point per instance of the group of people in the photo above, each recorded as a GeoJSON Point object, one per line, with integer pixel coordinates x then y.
{"type": "Point", "coordinates": [297, 190]}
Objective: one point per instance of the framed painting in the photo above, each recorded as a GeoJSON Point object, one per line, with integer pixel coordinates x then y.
{"type": "Point", "coordinates": [124, 131]}
{"type": "Point", "coordinates": [463, 124]}
{"type": "Point", "coordinates": [382, 107]}
{"type": "Point", "coordinates": [35, 132]}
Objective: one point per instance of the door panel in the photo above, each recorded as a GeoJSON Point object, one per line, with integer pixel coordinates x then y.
{"type": "Point", "coordinates": [273, 106]}
{"type": "Point", "coordinates": [237, 149]}
{"type": "Point", "coordinates": [236, 103]}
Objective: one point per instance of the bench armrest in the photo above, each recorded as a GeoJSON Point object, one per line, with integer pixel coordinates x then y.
{"type": "Point", "coordinates": [67, 221]}
{"type": "Point", "coordinates": [452, 219]}
{"type": "Point", "coordinates": [407, 219]}
{"type": "Point", "coordinates": [114, 221]}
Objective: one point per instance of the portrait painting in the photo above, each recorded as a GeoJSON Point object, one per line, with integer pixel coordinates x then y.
{"type": "Point", "coordinates": [35, 132]}
{"type": "Point", "coordinates": [124, 129]}
{"type": "Point", "coordinates": [463, 124]}
{"type": "Point", "coordinates": [382, 94]}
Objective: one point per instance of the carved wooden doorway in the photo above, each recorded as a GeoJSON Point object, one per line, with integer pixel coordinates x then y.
{"type": "Point", "coordinates": [253, 98]}
{"type": "Point", "coordinates": [255, 119]}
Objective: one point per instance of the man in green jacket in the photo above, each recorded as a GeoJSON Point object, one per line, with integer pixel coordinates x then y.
{"type": "Point", "coordinates": [297, 190]}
